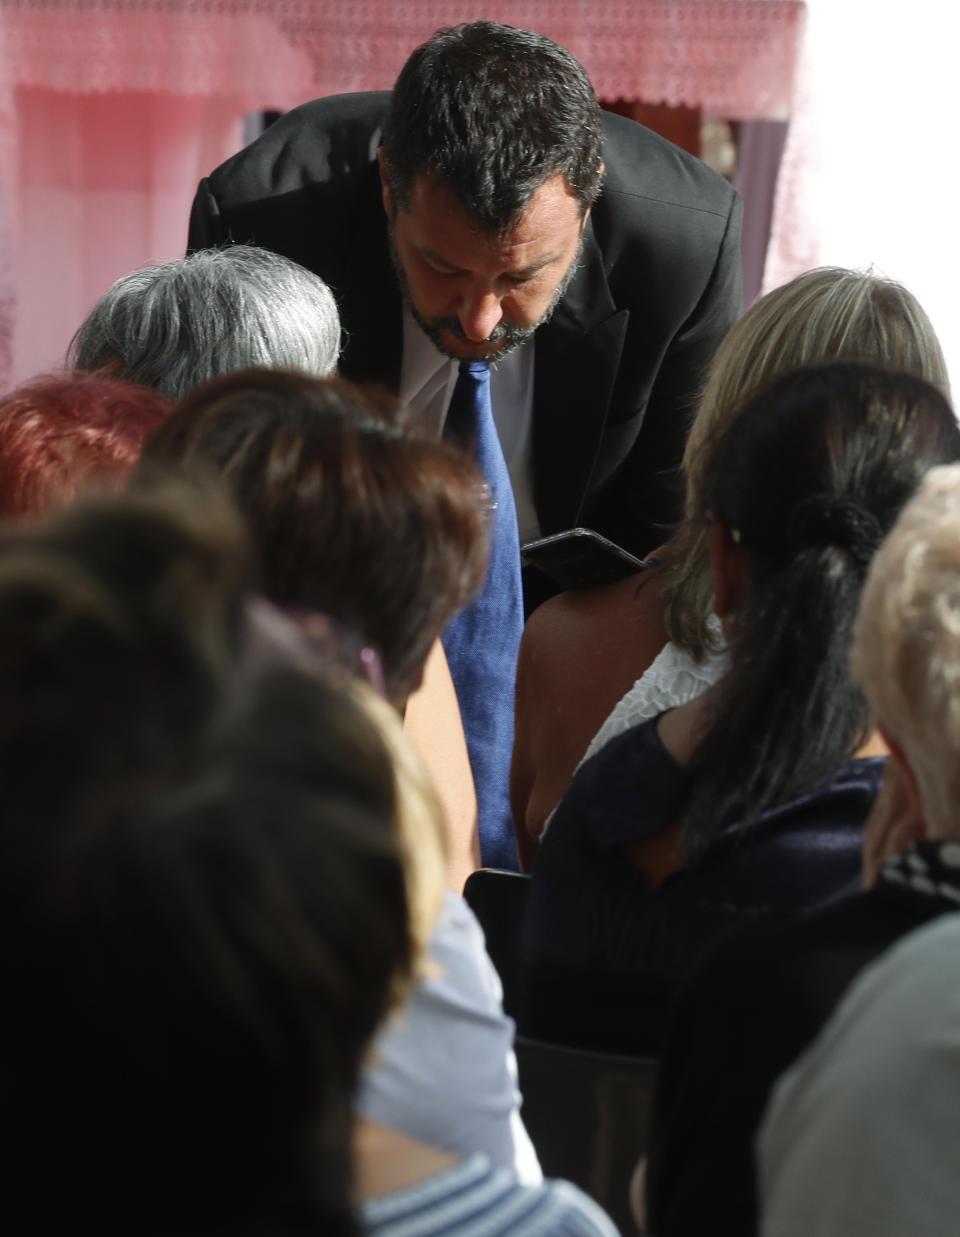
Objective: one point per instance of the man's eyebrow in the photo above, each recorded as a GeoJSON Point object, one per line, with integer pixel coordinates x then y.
{"type": "Point", "coordinates": [437, 260]}
{"type": "Point", "coordinates": [525, 272]}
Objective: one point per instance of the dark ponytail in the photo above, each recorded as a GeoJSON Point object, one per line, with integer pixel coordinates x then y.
{"type": "Point", "coordinates": [809, 479]}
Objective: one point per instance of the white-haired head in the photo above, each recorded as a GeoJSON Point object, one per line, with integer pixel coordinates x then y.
{"type": "Point", "coordinates": [173, 326]}
{"type": "Point", "coordinates": [906, 649]}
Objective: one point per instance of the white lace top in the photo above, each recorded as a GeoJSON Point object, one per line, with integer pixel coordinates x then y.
{"type": "Point", "coordinates": [672, 678]}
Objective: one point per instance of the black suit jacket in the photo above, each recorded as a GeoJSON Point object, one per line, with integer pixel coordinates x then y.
{"type": "Point", "coordinates": [618, 367]}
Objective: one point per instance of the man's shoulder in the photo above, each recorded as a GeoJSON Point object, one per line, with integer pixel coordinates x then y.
{"type": "Point", "coordinates": [333, 137]}
{"type": "Point", "coordinates": [642, 164]}
{"type": "Point", "coordinates": [662, 221]}
{"type": "Point", "coordinates": [308, 188]}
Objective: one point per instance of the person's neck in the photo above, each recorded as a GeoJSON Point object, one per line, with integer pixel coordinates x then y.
{"type": "Point", "coordinates": [872, 745]}
{"type": "Point", "coordinates": [386, 1161]}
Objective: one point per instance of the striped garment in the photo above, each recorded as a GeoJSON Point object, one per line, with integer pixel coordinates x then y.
{"type": "Point", "coordinates": [475, 1200]}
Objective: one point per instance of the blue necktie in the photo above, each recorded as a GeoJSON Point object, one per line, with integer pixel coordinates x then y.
{"type": "Point", "coordinates": [482, 642]}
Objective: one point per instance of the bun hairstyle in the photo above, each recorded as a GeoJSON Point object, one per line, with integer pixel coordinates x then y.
{"type": "Point", "coordinates": [824, 315]}
{"type": "Point", "coordinates": [808, 480]}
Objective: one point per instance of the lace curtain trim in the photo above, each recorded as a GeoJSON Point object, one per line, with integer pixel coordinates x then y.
{"type": "Point", "coordinates": [732, 57]}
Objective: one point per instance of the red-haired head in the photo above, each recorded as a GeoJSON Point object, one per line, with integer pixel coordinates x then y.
{"type": "Point", "coordinates": [62, 433]}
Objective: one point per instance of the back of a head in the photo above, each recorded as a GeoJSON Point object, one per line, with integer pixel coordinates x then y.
{"type": "Point", "coordinates": [66, 432]}
{"type": "Point", "coordinates": [194, 974]}
{"type": "Point", "coordinates": [827, 314]}
{"type": "Point", "coordinates": [119, 622]}
{"type": "Point", "coordinates": [204, 898]}
{"type": "Point", "coordinates": [906, 651]}
{"type": "Point", "coordinates": [491, 112]}
{"type": "Point", "coordinates": [807, 480]}
{"type": "Point", "coordinates": [383, 529]}
{"type": "Point", "coordinates": [173, 326]}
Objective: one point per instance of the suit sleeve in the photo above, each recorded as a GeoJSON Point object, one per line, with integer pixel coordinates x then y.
{"type": "Point", "coordinates": [206, 224]}
{"type": "Point", "coordinates": [646, 500]}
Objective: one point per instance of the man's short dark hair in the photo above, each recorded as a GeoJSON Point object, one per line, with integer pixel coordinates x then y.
{"type": "Point", "coordinates": [491, 112]}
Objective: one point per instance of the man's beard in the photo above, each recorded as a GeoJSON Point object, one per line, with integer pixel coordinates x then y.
{"type": "Point", "coordinates": [505, 336]}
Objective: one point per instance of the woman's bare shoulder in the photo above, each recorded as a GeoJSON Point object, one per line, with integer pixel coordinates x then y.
{"type": "Point", "coordinates": [561, 624]}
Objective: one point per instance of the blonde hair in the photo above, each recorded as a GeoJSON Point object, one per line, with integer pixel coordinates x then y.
{"type": "Point", "coordinates": [825, 314]}
{"type": "Point", "coordinates": [421, 827]}
{"type": "Point", "coordinates": [906, 645]}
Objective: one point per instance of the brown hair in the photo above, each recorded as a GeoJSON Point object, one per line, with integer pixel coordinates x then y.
{"type": "Point", "coordinates": [352, 514]}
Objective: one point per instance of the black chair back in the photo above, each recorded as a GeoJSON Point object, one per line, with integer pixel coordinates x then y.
{"type": "Point", "coordinates": [499, 901]}
{"type": "Point", "coordinates": [588, 1116]}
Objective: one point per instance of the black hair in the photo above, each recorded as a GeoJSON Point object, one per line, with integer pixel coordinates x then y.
{"type": "Point", "coordinates": [121, 617]}
{"type": "Point", "coordinates": [809, 479]}
{"type": "Point", "coordinates": [203, 901]}
{"type": "Point", "coordinates": [192, 975]}
{"type": "Point", "coordinates": [491, 112]}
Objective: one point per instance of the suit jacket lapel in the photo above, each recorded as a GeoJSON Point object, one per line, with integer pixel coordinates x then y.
{"type": "Point", "coordinates": [575, 366]}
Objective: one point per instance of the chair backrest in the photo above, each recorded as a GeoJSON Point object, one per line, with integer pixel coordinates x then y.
{"type": "Point", "coordinates": [588, 1116]}
{"type": "Point", "coordinates": [499, 901]}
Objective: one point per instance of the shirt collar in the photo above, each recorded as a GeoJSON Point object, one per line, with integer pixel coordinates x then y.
{"type": "Point", "coordinates": [424, 365]}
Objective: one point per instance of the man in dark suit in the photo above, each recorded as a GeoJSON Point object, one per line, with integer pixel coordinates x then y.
{"type": "Point", "coordinates": [644, 240]}
{"type": "Point", "coordinates": [487, 211]}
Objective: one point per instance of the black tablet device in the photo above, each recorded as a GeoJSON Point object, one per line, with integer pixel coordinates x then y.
{"type": "Point", "coordinates": [580, 558]}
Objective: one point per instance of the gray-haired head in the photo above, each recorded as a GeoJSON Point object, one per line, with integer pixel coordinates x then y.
{"type": "Point", "coordinates": [173, 326]}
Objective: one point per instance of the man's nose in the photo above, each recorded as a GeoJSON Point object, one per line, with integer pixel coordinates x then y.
{"type": "Point", "coordinates": [479, 315]}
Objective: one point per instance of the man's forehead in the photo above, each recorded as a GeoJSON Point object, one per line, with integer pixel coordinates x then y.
{"type": "Point", "coordinates": [551, 218]}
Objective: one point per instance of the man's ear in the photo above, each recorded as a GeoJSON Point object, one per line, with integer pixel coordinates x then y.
{"type": "Point", "coordinates": [386, 193]}
{"type": "Point", "coordinates": [729, 565]}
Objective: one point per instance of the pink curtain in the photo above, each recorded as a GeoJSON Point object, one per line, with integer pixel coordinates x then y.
{"type": "Point", "coordinates": [105, 184]}
{"type": "Point", "coordinates": [111, 110]}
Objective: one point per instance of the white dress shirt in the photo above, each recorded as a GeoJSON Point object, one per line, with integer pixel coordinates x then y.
{"type": "Point", "coordinates": [427, 379]}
